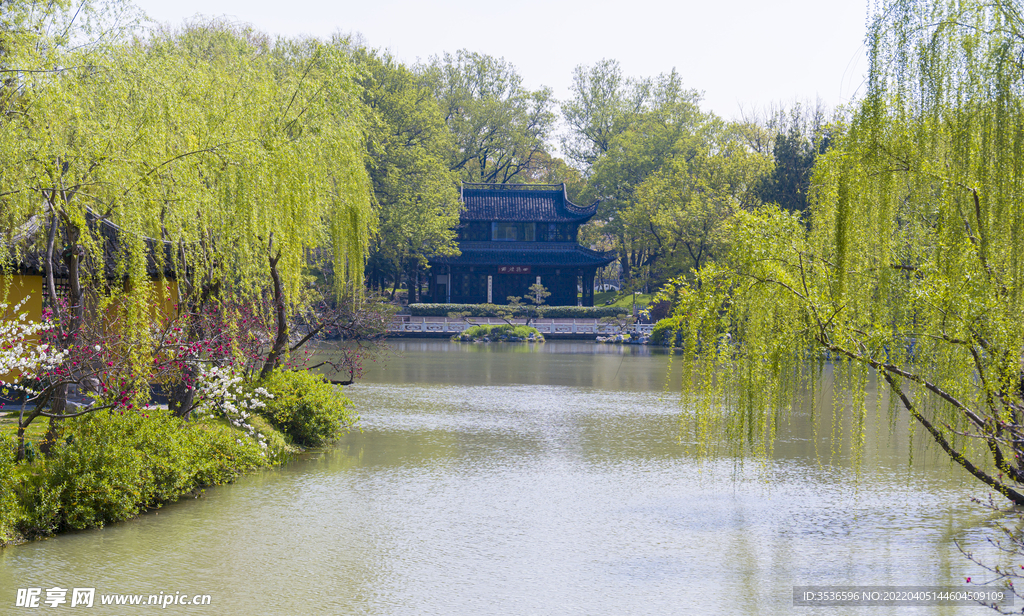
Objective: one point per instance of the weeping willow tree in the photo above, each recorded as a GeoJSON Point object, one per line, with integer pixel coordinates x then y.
{"type": "Point", "coordinates": [214, 152]}
{"type": "Point", "coordinates": [71, 152]}
{"type": "Point", "coordinates": [281, 178]}
{"type": "Point", "coordinates": [911, 269]}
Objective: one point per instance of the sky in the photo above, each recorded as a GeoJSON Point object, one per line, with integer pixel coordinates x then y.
{"type": "Point", "coordinates": [744, 55]}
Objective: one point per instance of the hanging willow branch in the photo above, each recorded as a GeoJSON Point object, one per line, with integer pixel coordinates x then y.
{"type": "Point", "coordinates": [913, 264]}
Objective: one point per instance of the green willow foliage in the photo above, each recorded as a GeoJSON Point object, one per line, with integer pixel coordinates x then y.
{"type": "Point", "coordinates": [271, 136]}
{"type": "Point", "coordinates": [911, 269]}
{"type": "Point", "coordinates": [228, 146]}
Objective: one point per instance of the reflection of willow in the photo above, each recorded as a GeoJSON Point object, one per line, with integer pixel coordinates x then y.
{"type": "Point", "coordinates": [907, 266]}
{"type": "Point", "coordinates": [346, 455]}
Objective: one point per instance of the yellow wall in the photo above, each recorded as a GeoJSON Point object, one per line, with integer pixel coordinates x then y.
{"type": "Point", "coordinates": [168, 306]}
{"type": "Point", "coordinates": [165, 307]}
{"type": "Point", "coordinates": [13, 289]}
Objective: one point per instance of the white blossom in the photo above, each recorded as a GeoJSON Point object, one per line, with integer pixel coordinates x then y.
{"type": "Point", "coordinates": [221, 394]}
{"type": "Point", "coordinates": [20, 351]}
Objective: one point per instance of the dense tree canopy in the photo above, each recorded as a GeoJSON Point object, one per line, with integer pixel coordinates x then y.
{"type": "Point", "coordinates": [499, 126]}
{"type": "Point", "coordinates": [911, 270]}
{"type": "Point", "coordinates": [245, 156]}
{"type": "Point", "coordinates": [681, 213]}
{"type": "Point", "coordinates": [284, 128]}
{"type": "Point", "coordinates": [408, 145]}
{"type": "Point", "coordinates": [604, 103]}
{"type": "Point", "coordinates": [797, 137]}
{"type": "Point", "coordinates": [204, 137]}
{"type": "Point", "coordinates": [667, 174]}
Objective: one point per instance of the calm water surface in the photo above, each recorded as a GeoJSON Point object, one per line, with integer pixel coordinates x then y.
{"type": "Point", "coordinates": [494, 479]}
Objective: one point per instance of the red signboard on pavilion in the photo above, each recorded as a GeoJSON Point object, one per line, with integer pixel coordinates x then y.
{"type": "Point", "coordinates": [513, 269]}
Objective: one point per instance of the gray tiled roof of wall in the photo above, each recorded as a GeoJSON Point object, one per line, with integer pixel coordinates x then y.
{"type": "Point", "coordinates": [27, 251]}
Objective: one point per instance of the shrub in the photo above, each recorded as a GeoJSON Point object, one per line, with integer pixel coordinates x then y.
{"type": "Point", "coordinates": [109, 467]}
{"type": "Point", "coordinates": [8, 503]}
{"type": "Point", "coordinates": [474, 310]}
{"type": "Point", "coordinates": [307, 408]}
{"type": "Point", "coordinates": [585, 312]}
{"type": "Point", "coordinates": [499, 332]}
{"type": "Point", "coordinates": [277, 447]}
{"type": "Point", "coordinates": [666, 330]}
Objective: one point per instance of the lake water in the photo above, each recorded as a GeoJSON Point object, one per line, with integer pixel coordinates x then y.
{"type": "Point", "coordinates": [544, 479]}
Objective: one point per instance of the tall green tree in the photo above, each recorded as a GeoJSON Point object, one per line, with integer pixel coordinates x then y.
{"type": "Point", "coordinates": [911, 273]}
{"type": "Point", "coordinates": [283, 125]}
{"type": "Point", "coordinates": [798, 138]}
{"type": "Point", "coordinates": [499, 126]}
{"type": "Point", "coordinates": [682, 212]}
{"type": "Point", "coordinates": [670, 125]}
{"type": "Point", "coordinates": [548, 169]}
{"type": "Point", "coordinates": [417, 203]}
{"type": "Point", "coordinates": [604, 103]}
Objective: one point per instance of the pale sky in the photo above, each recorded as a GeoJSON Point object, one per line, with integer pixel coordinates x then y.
{"type": "Point", "coordinates": [743, 54]}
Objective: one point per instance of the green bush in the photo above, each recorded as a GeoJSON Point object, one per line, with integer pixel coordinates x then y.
{"type": "Point", "coordinates": [474, 310]}
{"type": "Point", "coordinates": [278, 448]}
{"type": "Point", "coordinates": [492, 310]}
{"type": "Point", "coordinates": [310, 410]}
{"type": "Point", "coordinates": [584, 312]}
{"type": "Point", "coordinates": [666, 330]}
{"type": "Point", "coordinates": [110, 467]}
{"type": "Point", "coordinates": [9, 511]}
{"type": "Point", "coordinates": [497, 332]}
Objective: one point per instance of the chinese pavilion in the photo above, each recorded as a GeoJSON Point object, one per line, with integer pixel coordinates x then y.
{"type": "Point", "coordinates": [511, 237]}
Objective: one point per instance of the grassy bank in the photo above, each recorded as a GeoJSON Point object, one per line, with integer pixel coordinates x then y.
{"type": "Point", "coordinates": [624, 300]}
{"type": "Point", "coordinates": [107, 467]}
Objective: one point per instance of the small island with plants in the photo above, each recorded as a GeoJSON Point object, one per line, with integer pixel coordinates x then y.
{"type": "Point", "coordinates": [508, 331]}
{"type": "Point", "coordinates": [504, 332]}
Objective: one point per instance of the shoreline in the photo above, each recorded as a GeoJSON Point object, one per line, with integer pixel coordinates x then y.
{"type": "Point", "coordinates": [88, 481]}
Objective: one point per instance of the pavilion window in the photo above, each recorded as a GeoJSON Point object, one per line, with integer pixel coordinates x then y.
{"type": "Point", "coordinates": [513, 231]}
{"type": "Point", "coordinates": [474, 232]}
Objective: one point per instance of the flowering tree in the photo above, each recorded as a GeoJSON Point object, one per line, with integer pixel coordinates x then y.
{"type": "Point", "coordinates": [359, 321]}
{"type": "Point", "coordinates": [35, 369]}
{"type": "Point", "coordinates": [21, 352]}
{"type": "Point", "coordinates": [222, 393]}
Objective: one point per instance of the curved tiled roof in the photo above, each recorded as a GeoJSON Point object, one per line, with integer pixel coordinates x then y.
{"type": "Point", "coordinates": [538, 254]}
{"type": "Point", "coordinates": [521, 203]}
{"type": "Point", "coordinates": [25, 248]}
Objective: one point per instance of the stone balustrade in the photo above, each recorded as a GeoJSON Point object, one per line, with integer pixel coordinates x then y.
{"type": "Point", "coordinates": [549, 327]}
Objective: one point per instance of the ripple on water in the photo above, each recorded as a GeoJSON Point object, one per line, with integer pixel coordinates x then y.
{"type": "Point", "coordinates": [554, 482]}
